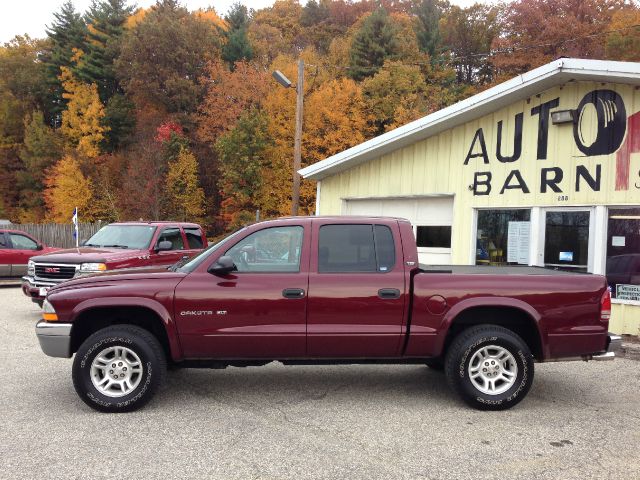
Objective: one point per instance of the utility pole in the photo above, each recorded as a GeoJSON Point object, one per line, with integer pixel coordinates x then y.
{"type": "Point", "coordinates": [297, 145]}
{"type": "Point", "coordinates": [297, 148]}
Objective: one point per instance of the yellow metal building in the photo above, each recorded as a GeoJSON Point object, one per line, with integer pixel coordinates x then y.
{"type": "Point", "coordinates": [541, 170]}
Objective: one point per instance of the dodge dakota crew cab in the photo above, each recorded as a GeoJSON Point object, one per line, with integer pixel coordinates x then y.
{"type": "Point", "coordinates": [304, 290]}
{"type": "Point", "coordinates": [114, 246]}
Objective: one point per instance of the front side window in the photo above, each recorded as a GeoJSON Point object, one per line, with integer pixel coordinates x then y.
{"type": "Point", "coordinates": [20, 242]}
{"type": "Point", "coordinates": [174, 236]}
{"type": "Point", "coordinates": [623, 253]}
{"type": "Point", "coordinates": [276, 249]}
{"type": "Point", "coordinates": [355, 248]}
{"type": "Point", "coordinates": [503, 237]}
{"type": "Point", "coordinates": [3, 242]}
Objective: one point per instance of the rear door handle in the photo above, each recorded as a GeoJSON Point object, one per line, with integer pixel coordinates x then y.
{"type": "Point", "coordinates": [389, 293]}
{"type": "Point", "coordinates": [293, 293]}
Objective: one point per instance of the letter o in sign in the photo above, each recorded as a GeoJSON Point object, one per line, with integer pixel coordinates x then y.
{"type": "Point", "coordinates": [611, 123]}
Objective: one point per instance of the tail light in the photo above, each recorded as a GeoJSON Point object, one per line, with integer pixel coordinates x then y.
{"type": "Point", "coordinates": [605, 306]}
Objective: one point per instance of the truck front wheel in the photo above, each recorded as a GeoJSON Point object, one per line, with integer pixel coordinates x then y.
{"type": "Point", "coordinates": [119, 368]}
{"type": "Point", "coordinates": [490, 367]}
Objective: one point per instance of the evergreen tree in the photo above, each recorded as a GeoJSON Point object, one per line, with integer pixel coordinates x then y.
{"type": "Point", "coordinates": [372, 44]}
{"type": "Point", "coordinates": [67, 34]}
{"type": "Point", "coordinates": [105, 25]}
{"type": "Point", "coordinates": [427, 27]}
{"type": "Point", "coordinates": [120, 120]}
{"type": "Point", "coordinates": [237, 46]}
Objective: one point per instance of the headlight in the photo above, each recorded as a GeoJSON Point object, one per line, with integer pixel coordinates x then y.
{"type": "Point", "coordinates": [48, 312]}
{"type": "Point", "coordinates": [31, 268]}
{"type": "Point", "coordinates": [93, 267]}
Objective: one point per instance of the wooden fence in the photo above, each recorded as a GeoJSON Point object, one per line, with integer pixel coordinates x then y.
{"type": "Point", "coordinates": [55, 234]}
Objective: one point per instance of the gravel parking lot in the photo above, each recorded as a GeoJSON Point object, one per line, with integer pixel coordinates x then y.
{"type": "Point", "coordinates": [392, 422]}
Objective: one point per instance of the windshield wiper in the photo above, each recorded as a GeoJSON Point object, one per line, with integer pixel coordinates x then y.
{"type": "Point", "coordinates": [178, 264]}
{"type": "Point", "coordinates": [89, 245]}
{"type": "Point", "coordinates": [115, 246]}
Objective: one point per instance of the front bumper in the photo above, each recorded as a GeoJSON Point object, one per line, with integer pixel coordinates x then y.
{"type": "Point", "coordinates": [54, 338]}
{"type": "Point", "coordinates": [31, 288]}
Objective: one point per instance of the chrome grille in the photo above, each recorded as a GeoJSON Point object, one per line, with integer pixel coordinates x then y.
{"type": "Point", "coordinates": [47, 271]}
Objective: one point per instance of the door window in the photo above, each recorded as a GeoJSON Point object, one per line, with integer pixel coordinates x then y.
{"type": "Point", "coordinates": [174, 236]}
{"type": "Point", "coordinates": [623, 253]}
{"type": "Point", "coordinates": [21, 242]}
{"type": "Point", "coordinates": [275, 249]}
{"type": "Point", "coordinates": [3, 242]}
{"type": "Point", "coordinates": [566, 244]}
{"type": "Point", "coordinates": [355, 248]}
{"type": "Point", "coordinates": [194, 238]}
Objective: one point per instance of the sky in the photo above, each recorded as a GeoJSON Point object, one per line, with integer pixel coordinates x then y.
{"type": "Point", "coordinates": [31, 16]}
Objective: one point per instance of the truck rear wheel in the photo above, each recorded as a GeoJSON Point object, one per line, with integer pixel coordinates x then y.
{"type": "Point", "coordinates": [119, 368]}
{"type": "Point", "coordinates": [490, 367]}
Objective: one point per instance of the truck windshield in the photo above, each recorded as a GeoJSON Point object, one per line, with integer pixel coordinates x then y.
{"type": "Point", "coordinates": [191, 265]}
{"type": "Point", "coordinates": [136, 237]}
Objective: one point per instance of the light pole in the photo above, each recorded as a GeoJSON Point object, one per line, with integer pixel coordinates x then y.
{"type": "Point", "coordinates": [297, 146]}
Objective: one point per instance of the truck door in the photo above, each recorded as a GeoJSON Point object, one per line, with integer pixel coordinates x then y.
{"type": "Point", "coordinates": [5, 256]}
{"type": "Point", "coordinates": [178, 250]}
{"type": "Point", "coordinates": [23, 248]}
{"type": "Point", "coordinates": [357, 290]}
{"type": "Point", "coordinates": [258, 311]}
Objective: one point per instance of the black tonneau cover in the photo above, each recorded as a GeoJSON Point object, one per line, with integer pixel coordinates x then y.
{"type": "Point", "coordinates": [493, 270]}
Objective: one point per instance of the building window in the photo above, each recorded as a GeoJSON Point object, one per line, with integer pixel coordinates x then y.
{"type": "Point", "coordinates": [623, 253]}
{"type": "Point", "coordinates": [433, 236]}
{"type": "Point", "coordinates": [566, 240]}
{"type": "Point", "coordinates": [503, 237]}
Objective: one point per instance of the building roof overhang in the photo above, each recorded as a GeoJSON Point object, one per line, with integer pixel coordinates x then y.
{"type": "Point", "coordinates": [523, 86]}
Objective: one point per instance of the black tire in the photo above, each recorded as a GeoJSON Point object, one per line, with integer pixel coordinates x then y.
{"type": "Point", "coordinates": [468, 346]}
{"type": "Point", "coordinates": [435, 364]}
{"type": "Point", "coordinates": [146, 382]}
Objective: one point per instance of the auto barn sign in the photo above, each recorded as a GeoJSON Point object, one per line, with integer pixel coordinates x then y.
{"type": "Point", "coordinates": [602, 127]}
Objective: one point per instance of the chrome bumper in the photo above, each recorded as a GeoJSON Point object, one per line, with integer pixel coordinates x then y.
{"type": "Point", "coordinates": [54, 338]}
{"type": "Point", "coordinates": [33, 283]}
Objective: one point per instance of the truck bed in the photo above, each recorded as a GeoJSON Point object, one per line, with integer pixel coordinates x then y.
{"type": "Point", "coordinates": [493, 270]}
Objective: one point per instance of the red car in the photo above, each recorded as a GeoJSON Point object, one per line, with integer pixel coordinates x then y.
{"type": "Point", "coordinates": [318, 290]}
{"type": "Point", "coordinates": [115, 246]}
{"type": "Point", "coordinates": [16, 248]}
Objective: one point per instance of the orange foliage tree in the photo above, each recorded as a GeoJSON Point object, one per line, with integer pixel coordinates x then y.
{"type": "Point", "coordinates": [67, 188]}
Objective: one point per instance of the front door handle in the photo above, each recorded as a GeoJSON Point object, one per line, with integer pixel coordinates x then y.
{"type": "Point", "coordinates": [389, 293]}
{"type": "Point", "coordinates": [293, 293]}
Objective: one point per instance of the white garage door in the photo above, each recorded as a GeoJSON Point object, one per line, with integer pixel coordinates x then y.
{"type": "Point", "coordinates": [431, 218]}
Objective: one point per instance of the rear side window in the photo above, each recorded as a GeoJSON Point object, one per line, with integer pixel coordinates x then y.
{"type": "Point", "coordinates": [174, 236]}
{"type": "Point", "coordinates": [355, 248]}
{"type": "Point", "coordinates": [194, 237]}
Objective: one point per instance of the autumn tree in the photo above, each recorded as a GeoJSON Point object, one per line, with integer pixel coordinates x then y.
{"type": "Point", "coordinates": [184, 197]}
{"type": "Point", "coordinates": [66, 189]}
{"type": "Point", "coordinates": [374, 42]}
{"type": "Point", "coordinates": [276, 30]}
{"type": "Point", "coordinates": [82, 121]}
{"type": "Point", "coordinates": [164, 55]}
{"type": "Point", "coordinates": [536, 32]}
{"type": "Point", "coordinates": [229, 93]}
{"type": "Point", "coordinates": [467, 33]}
{"type": "Point", "coordinates": [623, 43]}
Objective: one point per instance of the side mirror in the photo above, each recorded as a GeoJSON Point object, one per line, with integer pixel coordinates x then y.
{"type": "Point", "coordinates": [164, 245]}
{"type": "Point", "coordinates": [223, 266]}
{"type": "Point", "coordinates": [39, 247]}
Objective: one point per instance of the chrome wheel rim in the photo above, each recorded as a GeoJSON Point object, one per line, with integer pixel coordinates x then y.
{"type": "Point", "coordinates": [493, 370]}
{"type": "Point", "coordinates": [116, 371]}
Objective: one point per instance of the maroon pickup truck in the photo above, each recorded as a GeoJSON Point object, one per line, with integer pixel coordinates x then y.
{"type": "Point", "coordinates": [323, 290]}
{"type": "Point", "coordinates": [114, 246]}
